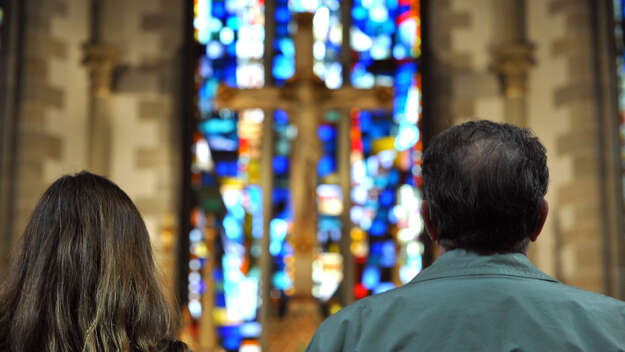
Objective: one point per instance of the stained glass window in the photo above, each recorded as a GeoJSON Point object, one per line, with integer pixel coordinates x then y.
{"type": "Point", "coordinates": [386, 147]}
{"type": "Point", "coordinates": [386, 152]}
{"type": "Point", "coordinates": [327, 40]}
{"type": "Point", "coordinates": [328, 265]}
{"type": "Point", "coordinates": [227, 220]}
{"type": "Point", "coordinates": [280, 247]}
{"type": "Point", "coordinates": [374, 219]}
{"type": "Point", "coordinates": [619, 13]}
{"type": "Point", "coordinates": [283, 65]}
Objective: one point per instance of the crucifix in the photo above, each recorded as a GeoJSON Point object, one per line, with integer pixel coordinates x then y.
{"type": "Point", "coordinates": [304, 97]}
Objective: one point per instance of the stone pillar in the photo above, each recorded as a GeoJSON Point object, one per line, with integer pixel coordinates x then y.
{"type": "Point", "coordinates": [206, 338]}
{"type": "Point", "coordinates": [345, 180]}
{"type": "Point", "coordinates": [446, 63]}
{"type": "Point", "coordinates": [611, 187]}
{"type": "Point", "coordinates": [45, 113]}
{"type": "Point", "coordinates": [511, 62]}
{"type": "Point", "coordinates": [460, 83]}
{"type": "Point", "coordinates": [562, 113]}
{"type": "Point", "coordinates": [266, 180]}
{"type": "Point", "coordinates": [512, 57]}
{"type": "Point", "coordinates": [142, 73]}
{"type": "Point", "coordinates": [100, 60]}
{"type": "Point", "coordinates": [10, 69]}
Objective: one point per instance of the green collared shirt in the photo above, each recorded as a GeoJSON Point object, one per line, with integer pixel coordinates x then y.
{"type": "Point", "coordinates": [468, 302]}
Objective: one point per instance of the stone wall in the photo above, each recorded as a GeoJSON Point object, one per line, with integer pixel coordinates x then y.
{"type": "Point", "coordinates": [558, 107]}
{"type": "Point", "coordinates": [562, 114]}
{"type": "Point", "coordinates": [141, 112]}
{"type": "Point", "coordinates": [10, 66]}
{"type": "Point", "coordinates": [549, 122]}
{"type": "Point", "coordinates": [464, 86]}
{"type": "Point", "coordinates": [145, 115]}
{"type": "Point", "coordinates": [53, 110]}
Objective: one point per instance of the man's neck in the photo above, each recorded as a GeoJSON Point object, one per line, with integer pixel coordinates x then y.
{"type": "Point", "coordinates": [442, 250]}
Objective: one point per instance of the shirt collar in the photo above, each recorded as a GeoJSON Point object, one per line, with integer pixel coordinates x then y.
{"type": "Point", "coordinates": [459, 262]}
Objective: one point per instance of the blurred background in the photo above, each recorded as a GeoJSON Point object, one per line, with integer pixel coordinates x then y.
{"type": "Point", "coordinates": [274, 147]}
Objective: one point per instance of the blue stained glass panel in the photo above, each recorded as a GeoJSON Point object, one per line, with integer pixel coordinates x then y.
{"type": "Point", "coordinates": [283, 66]}
{"type": "Point", "coordinates": [280, 248]}
{"type": "Point", "coordinates": [385, 156]}
{"type": "Point", "coordinates": [327, 40]}
{"type": "Point", "coordinates": [227, 220]}
{"type": "Point", "coordinates": [386, 146]}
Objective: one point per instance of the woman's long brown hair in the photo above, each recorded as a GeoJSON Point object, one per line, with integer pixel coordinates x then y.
{"type": "Point", "coordinates": [83, 277]}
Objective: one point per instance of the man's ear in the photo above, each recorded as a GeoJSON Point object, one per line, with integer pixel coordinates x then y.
{"type": "Point", "coordinates": [427, 220]}
{"type": "Point", "coordinates": [544, 210]}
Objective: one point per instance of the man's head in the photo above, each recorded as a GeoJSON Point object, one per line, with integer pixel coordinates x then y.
{"type": "Point", "coordinates": [484, 187]}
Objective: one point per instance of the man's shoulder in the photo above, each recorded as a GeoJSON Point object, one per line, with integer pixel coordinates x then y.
{"type": "Point", "coordinates": [588, 298]}
{"type": "Point", "coordinates": [414, 314]}
{"type": "Point", "coordinates": [449, 293]}
{"type": "Point", "coordinates": [368, 305]}
{"type": "Point", "coordinates": [359, 321]}
{"type": "Point", "coordinates": [383, 303]}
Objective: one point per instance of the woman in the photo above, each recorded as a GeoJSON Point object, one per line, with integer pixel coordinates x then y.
{"type": "Point", "coordinates": [83, 278]}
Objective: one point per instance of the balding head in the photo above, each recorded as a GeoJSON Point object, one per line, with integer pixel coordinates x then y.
{"type": "Point", "coordinates": [485, 184]}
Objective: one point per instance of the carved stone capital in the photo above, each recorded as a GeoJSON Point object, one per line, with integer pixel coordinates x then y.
{"type": "Point", "coordinates": [511, 62]}
{"type": "Point", "coordinates": [100, 60]}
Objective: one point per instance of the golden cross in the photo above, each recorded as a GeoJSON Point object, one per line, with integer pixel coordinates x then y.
{"type": "Point", "coordinates": [304, 97]}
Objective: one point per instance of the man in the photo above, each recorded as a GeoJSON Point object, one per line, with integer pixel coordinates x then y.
{"type": "Point", "coordinates": [484, 188]}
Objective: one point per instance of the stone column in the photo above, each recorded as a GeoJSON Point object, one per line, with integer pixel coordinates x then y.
{"type": "Point", "coordinates": [10, 69]}
{"type": "Point", "coordinates": [100, 60]}
{"type": "Point", "coordinates": [562, 113]}
{"type": "Point", "coordinates": [612, 213]}
{"type": "Point", "coordinates": [266, 180]}
{"type": "Point", "coordinates": [344, 161]}
{"type": "Point", "coordinates": [207, 338]}
{"type": "Point", "coordinates": [512, 57]}
{"type": "Point", "coordinates": [345, 180]}
{"type": "Point", "coordinates": [39, 95]}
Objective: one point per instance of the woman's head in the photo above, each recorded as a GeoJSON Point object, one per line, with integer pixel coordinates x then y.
{"type": "Point", "coordinates": [83, 278]}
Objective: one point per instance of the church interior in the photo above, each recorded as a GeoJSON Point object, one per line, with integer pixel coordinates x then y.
{"type": "Point", "coordinates": [273, 147]}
